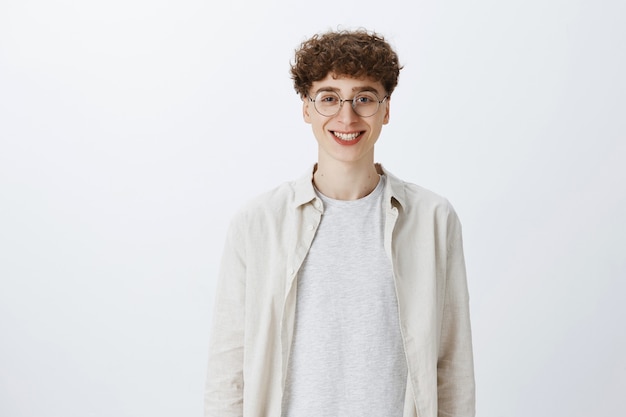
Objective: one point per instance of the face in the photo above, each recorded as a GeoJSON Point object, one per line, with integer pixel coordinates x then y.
{"type": "Point", "coordinates": [346, 137]}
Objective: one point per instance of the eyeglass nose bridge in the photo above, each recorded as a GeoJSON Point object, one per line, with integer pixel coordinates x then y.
{"type": "Point", "coordinates": [341, 101]}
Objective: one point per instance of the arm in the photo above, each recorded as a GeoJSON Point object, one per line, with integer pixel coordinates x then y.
{"type": "Point", "coordinates": [455, 368]}
{"type": "Point", "coordinates": [224, 386]}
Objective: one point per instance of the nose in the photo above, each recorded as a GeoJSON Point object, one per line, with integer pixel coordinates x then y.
{"type": "Point", "coordinates": [346, 113]}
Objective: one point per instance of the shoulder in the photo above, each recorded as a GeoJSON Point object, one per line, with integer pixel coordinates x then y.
{"type": "Point", "coordinates": [422, 209]}
{"type": "Point", "coordinates": [276, 198]}
{"type": "Point", "coordinates": [418, 195]}
{"type": "Point", "coordinates": [271, 206]}
{"type": "Point", "coordinates": [413, 198]}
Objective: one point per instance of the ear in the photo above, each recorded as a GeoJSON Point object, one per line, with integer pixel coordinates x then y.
{"type": "Point", "coordinates": [387, 105]}
{"type": "Point", "coordinates": [305, 109]}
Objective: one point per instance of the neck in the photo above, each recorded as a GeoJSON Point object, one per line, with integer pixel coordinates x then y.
{"type": "Point", "coordinates": [345, 181]}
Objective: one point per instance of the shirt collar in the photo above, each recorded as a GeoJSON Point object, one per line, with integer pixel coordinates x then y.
{"type": "Point", "coordinates": [305, 192]}
{"type": "Point", "coordinates": [303, 188]}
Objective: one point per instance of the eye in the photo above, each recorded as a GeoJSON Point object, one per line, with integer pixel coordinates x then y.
{"type": "Point", "coordinates": [327, 98]}
{"type": "Point", "coordinates": [365, 98]}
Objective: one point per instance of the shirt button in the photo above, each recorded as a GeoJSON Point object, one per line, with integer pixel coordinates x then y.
{"type": "Point", "coordinates": [311, 227]}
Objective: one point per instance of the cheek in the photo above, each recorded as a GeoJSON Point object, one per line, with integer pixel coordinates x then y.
{"type": "Point", "coordinates": [316, 122]}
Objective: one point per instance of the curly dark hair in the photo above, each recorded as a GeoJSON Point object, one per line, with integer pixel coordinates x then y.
{"type": "Point", "coordinates": [355, 54]}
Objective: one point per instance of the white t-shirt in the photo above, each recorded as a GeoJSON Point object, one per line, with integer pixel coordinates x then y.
{"type": "Point", "coordinates": [347, 357]}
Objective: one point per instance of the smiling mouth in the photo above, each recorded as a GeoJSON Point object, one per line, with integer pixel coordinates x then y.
{"type": "Point", "coordinates": [347, 137]}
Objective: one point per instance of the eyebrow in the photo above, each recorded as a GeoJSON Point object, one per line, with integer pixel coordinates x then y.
{"type": "Point", "coordinates": [354, 89]}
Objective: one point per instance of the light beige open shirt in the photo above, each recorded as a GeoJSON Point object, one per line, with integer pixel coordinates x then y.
{"type": "Point", "coordinates": [256, 300]}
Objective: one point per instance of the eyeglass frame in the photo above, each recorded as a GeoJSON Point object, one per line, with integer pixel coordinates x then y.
{"type": "Point", "coordinates": [341, 101]}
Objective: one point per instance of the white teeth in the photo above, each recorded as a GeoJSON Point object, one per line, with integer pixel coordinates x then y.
{"type": "Point", "coordinates": [346, 136]}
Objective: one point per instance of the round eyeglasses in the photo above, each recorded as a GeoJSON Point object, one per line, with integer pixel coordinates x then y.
{"type": "Point", "coordinates": [364, 104]}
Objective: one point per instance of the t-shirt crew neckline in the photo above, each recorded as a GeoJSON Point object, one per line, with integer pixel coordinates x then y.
{"type": "Point", "coordinates": [354, 203]}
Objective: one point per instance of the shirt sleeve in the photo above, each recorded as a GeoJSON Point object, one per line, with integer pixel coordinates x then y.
{"type": "Point", "coordinates": [455, 367]}
{"type": "Point", "coordinates": [224, 385]}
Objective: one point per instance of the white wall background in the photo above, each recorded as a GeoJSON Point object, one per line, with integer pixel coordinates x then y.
{"type": "Point", "coordinates": [131, 129]}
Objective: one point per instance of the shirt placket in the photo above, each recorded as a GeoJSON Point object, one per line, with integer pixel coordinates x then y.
{"type": "Point", "coordinates": [308, 218]}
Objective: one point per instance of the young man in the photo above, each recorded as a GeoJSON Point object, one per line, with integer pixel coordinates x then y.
{"type": "Point", "coordinates": [343, 293]}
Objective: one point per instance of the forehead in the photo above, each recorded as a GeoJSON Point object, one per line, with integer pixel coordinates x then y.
{"type": "Point", "coordinates": [346, 84]}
